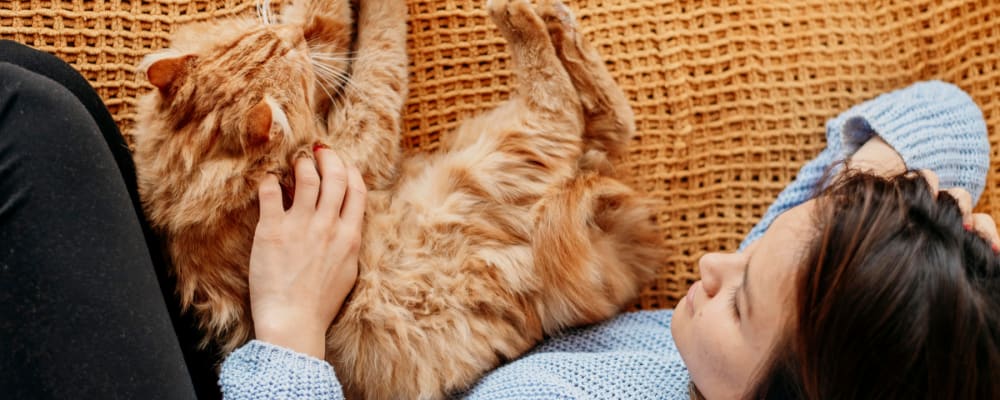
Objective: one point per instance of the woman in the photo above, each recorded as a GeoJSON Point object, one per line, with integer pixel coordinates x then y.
{"type": "Point", "coordinates": [758, 325]}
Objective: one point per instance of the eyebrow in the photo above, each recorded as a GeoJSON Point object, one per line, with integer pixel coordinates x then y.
{"type": "Point", "coordinates": [746, 286]}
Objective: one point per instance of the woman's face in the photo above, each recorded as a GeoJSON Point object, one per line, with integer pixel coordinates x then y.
{"type": "Point", "coordinates": [728, 322]}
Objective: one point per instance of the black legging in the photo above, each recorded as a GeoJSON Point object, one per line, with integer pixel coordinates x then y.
{"type": "Point", "coordinates": [86, 305]}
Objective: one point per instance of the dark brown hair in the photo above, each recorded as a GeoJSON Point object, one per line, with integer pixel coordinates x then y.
{"type": "Point", "coordinates": [894, 300]}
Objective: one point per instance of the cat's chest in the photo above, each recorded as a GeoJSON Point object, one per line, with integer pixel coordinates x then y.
{"type": "Point", "coordinates": [450, 228]}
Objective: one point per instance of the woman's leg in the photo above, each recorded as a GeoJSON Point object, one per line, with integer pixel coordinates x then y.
{"type": "Point", "coordinates": [201, 363]}
{"type": "Point", "coordinates": [82, 313]}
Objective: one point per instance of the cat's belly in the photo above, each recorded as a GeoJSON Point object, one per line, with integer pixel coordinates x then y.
{"type": "Point", "coordinates": [448, 285]}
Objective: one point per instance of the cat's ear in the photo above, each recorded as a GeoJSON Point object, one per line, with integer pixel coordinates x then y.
{"type": "Point", "coordinates": [259, 123]}
{"type": "Point", "coordinates": [265, 119]}
{"type": "Point", "coordinates": [163, 72]}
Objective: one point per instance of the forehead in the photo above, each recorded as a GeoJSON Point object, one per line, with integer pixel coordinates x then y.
{"type": "Point", "coordinates": [774, 263]}
{"type": "Point", "coordinates": [246, 65]}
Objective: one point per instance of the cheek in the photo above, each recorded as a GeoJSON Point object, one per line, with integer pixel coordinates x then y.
{"type": "Point", "coordinates": [709, 344]}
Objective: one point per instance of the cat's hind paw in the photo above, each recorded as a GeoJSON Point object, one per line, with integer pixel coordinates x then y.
{"type": "Point", "coordinates": [555, 12]}
{"type": "Point", "coordinates": [560, 22]}
{"type": "Point", "coordinates": [516, 19]}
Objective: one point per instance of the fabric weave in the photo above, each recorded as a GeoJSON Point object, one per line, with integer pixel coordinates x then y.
{"type": "Point", "coordinates": [730, 96]}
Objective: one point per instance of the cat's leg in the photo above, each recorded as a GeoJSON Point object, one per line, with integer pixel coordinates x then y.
{"type": "Point", "coordinates": [610, 122]}
{"type": "Point", "coordinates": [542, 82]}
{"type": "Point", "coordinates": [327, 26]}
{"type": "Point", "coordinates": [595, 243]}
{"type": "Point", "coordinates": [364, 127]}
{"type": "Point", "coordinates": [540, 127]}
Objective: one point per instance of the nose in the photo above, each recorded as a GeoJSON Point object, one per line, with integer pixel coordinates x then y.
{"type": "Point", "coordinates": [717, 268]}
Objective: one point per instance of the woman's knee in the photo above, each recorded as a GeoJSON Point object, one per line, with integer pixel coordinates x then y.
{"type": "Point", "coordinates": [36, 109]}
{"type": "Point", "coordinates": [56, 69]}
{"type": "Point", "coordinates": [30, 93]}
{"type": "Point", "coordinates": [36, 61]}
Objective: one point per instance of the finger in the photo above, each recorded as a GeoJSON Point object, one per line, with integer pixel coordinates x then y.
{"type": "Point", "coordinates": [964, 200]}
{"type": "Point", "coordinates": [306, 186]}
{"type": "Point", "coordinates": [269, 193]}
{"type": "Point", "coordinates": [354, 204]}
{"type": "Point", "coordinates": [931, 178]}
{"type": "Point", "coordinates": [987, 229]}
{"type": "Point", "coordinates": [334, 184]}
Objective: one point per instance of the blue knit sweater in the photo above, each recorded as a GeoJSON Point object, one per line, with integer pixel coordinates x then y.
{"type": "Point", "coordinates": [933, 125]}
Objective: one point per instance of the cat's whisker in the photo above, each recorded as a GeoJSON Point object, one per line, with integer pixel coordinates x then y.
{"type": "Point", "coordinates": [316, 46]}
{"type": "Point", "coordinates": [332, 76]}
{"type": "Point", "coordinates": [325, 57]}
{"type": "Point", "coordinates": [344, 79]}
{"type": "Point", "coordinates": [322, 85]}
{"type": "Point", "coordinates": [315, 49]}
{"type": "Point", "coordinates": [264, 12]}
{"type": "Point", "coordinates": [329, 78]}
{"type": "Point", "coordinates": [325, 70]}
{"type": "Point", "coordinates": [325, 53]}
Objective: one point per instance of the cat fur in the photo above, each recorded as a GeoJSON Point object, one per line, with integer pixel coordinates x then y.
{"type": "Point", "coordinates": [516, 228]}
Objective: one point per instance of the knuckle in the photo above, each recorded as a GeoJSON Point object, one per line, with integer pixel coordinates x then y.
{"type": "Point", "coordinates": [963, 197]}
{"type": "Point", "coordinates": [270, 191]}
{"type": "Point", "coordinates": [309, 181]}
{"type": "Point", "coordinates": [333, 167]}
{"type": "Point", "coordinates": [985, 219]}
{"type": "Point", "coordinates": [269, 236]}
{"type": "Point", "coordinates": [322, 234]}
{"type": "Point", "coordinates": [357, 183]}
{"type": "Point", "coordinates": [359, 189]}
{"type": "Point", "coordinates": [337, 170]}
{"type": "Point", "coordinates": [930, 177]}
{"type": "Point", "coordinates": [353, 243]}
{"type": "Point", "coordinates": [338, 177]}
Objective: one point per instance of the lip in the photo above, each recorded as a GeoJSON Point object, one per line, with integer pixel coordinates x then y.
{"type": "Point", "coordinates": [690, 297]}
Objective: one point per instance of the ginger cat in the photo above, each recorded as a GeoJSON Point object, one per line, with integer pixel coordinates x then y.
{"type": "Point", "coordinates": [513, 230]}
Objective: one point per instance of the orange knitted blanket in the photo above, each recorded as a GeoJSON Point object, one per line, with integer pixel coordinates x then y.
{"type": "Point", "coordinates": [731, 96]}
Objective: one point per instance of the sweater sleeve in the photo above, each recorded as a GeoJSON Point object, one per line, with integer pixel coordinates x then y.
{"type": "Point", "coordinates": [632, 356]}
{"type": "Point", "coordinates": [932, 125]}
{"type": "Point", "coordinates": [260, 370]}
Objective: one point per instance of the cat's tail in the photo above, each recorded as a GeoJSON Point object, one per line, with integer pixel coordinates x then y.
{"type": "Point", "coordinates": [596, 242]}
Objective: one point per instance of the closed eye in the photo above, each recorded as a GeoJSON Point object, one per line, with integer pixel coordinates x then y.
{"type": "Point", "coordinates": [732, 302]}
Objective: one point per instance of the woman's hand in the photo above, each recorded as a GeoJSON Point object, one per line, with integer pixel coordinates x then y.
{"type": "Point", "coordinates": [304, 261]}
{"type": "Point", "coordinates": [877, 157]}
{"type": "Point", "coordinates": [981, 224]}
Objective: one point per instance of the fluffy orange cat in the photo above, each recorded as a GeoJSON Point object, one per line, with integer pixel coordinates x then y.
{"type": "Point", "coordinates": [515, 229]}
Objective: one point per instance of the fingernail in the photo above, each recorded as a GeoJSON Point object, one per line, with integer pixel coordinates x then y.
{"type": "Point", "coordinates": [318, 146]}
{"type": "Point", "coordinates": [967, 226]}
{"type": "Point", "coordinates": [996, 249]}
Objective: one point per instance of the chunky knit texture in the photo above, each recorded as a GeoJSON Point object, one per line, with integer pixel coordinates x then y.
{"type": "Point", "coordinates": [933, 125]}
{"type": "Point", "coordinates": [260, 370]}
{"type": "Point", "coordinates": [632, 356]}
{"type": "Point", "coordinates": [730, 96]}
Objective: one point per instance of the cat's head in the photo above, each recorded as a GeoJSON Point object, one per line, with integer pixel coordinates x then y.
{"type": "Point", "coordinates": [233, 100]}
